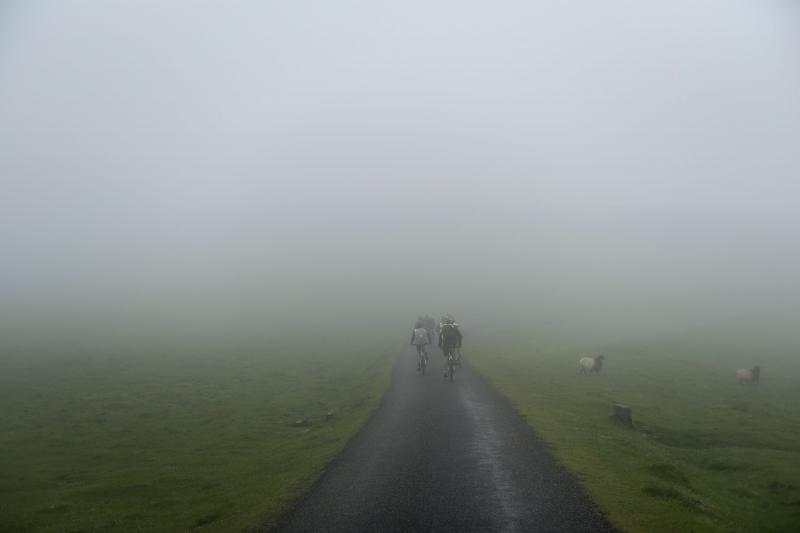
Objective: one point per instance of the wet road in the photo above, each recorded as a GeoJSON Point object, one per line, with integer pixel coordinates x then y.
{"type": "Point", "coordinates": [445, 457]}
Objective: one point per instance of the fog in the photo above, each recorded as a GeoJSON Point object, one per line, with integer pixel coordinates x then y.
{"type": "Point", "coordinates": [224, 165]}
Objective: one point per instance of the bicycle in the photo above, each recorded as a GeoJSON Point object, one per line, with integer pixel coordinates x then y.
{"type": "Point", "coordinates": [422, 359]}
{"type": "Point", "coordinates": [451, 367]}
{"type": "Point", "coordinates": [451, 364]}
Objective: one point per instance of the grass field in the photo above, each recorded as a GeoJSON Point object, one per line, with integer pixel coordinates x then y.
{"type": "Point", "coordinates": [171, 438]}
{"type": "Point", "coordinates": [176, 439]}
{"type": "Point", "coordinates": [706, 454]}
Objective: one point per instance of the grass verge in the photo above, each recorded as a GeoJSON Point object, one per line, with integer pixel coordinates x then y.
{"type": "Point", "coordinates": [706, 454]}
{"type": "Point", "coordinates": [176, 439]}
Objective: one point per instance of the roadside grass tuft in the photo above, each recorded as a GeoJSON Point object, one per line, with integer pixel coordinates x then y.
{"type": "Point", "coordinates": [670, 473]}
{"type": "Point", "coordinates": [686, 500]}
{"type": "Point", "coordinates": [778, 487]}
{"type": "Point", "coordinates": [690, 438]}
{"type": "Point", "coordinates": [207, 519]}
{"type": "Point", "coordinates": [661, 491]}
{"type": "Point", "coordinates": [726, 466]}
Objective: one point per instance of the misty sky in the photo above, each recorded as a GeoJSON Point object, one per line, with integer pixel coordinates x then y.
{"type": "Point", "coordinates": [234, 157]}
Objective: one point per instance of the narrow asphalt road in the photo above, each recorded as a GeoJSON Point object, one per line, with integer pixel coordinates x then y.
{"type": "Point", "coordinates": [445, 457]}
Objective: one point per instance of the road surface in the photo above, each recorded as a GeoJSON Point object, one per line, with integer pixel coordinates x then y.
{"type": "Point", "coordinates": [444, 457]}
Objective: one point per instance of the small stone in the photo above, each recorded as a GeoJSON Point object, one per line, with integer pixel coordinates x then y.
{"type": "Point", "coordinates": [623, 414]}
{"type": "Point", "coordinates": [329, 416]}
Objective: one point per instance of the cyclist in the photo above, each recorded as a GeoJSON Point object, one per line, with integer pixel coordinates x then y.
{"type": "Point", "coordinates": [442, 322]}
{"type": "Point", "coordinates": [420, 338]}
{"type": "Point", "coordinates": [449, 339]}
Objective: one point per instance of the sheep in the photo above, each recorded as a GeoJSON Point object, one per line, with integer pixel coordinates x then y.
{"type": "Point", "coordinates": [590, 364]}
{"type": "Point", "coordinates": [751, 375]}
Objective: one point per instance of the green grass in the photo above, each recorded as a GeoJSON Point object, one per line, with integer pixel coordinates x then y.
{"type": "Point", "coordinates": [706, 454]}
{"type": "Point", "coordinates": [176, 439]}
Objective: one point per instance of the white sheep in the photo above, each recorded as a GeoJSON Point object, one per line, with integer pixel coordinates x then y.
{"type": "Point", "coordinates": [591, 364]}
{"type": "Point", "coordinates": [751, 375]}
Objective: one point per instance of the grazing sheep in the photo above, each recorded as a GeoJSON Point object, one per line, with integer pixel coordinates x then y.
{"type": "Point", "coordinates": [591, 364]}
{"type": "Point", "coordinates": [745, 375]}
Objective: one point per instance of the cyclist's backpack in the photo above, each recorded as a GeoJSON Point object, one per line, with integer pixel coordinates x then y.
{"type": "Point", "coordinates": [449, 335]}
